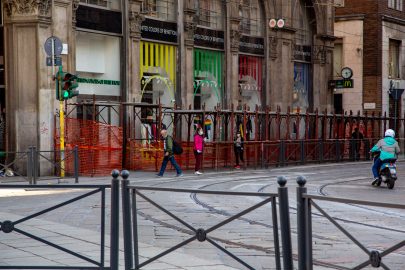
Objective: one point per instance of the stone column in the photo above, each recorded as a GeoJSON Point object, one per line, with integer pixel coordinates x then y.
{"type": "Point", "coordinates": [188, 56]}
{"type": "Point", "coordinates": [233, 35]}
{"type": "Point", "coordinates": [135, 21]}
{"type": "Point", "coordinates": [29, 96]}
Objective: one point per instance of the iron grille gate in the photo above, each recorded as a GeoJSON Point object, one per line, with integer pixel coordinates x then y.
{"type": "Point", "coordinates": [304, 224]}
{"type": "Point", "coordinates": [8, 226]}
{"type": "Point", "coordinates": [129, 202]}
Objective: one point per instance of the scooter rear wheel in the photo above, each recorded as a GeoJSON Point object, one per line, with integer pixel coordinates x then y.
{"type": "Point", "coordinates": [391, 183]}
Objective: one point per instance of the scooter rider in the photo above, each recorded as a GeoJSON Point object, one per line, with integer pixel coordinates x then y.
{"type": "Point", "coordinates": [388, 148]}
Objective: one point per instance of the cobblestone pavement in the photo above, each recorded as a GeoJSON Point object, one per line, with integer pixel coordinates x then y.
{"type": "Point", "coordinates": [77, 226]}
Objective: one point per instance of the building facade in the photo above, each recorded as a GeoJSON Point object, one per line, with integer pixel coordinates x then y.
{"type": "Point", "coordinates": [372, 36]}
{"type": "Point", "coordinates": [184, 53]}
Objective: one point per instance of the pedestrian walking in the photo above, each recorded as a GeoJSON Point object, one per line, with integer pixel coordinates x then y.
{"type": "Point", "coordinates": [198, 149]}
{"type": "Point", "coordinates": [238, 149]}
{"type": "Point", "coordinates": [357, 138]}
{"type": "Point", "coordinates": [168, 154]}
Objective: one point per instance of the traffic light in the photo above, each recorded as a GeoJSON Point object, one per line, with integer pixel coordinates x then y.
{"type": "Point", "coordinates": [66, 84]}
{"type": "Point", "coordinates": [69, 85]}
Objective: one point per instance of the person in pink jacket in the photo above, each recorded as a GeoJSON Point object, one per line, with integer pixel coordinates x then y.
{"type": "Point", "coordinates": [198, 149]}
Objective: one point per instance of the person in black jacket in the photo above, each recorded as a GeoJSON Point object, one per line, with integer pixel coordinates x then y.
{"type": "Point", "coordinates": [238, 149]}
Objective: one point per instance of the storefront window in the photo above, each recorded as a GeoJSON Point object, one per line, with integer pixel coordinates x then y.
{"type": "Point", "coordinates": [252, 19]}
{"type": "Point", "coordinates": [210, 13]}
{"type": "Point", "coordinates": [162, 9]}
{"type": "Point", "coordinates": [98, 64]}
{"type": "Point", "coordinates": [158, 73]}
{"type": "Point", "coordinates": [208, 83]}
{"type": "Point", "coordinates": [109, 4]}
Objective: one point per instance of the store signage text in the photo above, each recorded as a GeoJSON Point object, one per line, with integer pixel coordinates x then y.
{"type": "Point", "coordinates": [159, 30]}
{"type": "Point", "coordinates": [209, 38]}
{"type": "Point", "coordinates": [303, 53]}
{"type": "Point", "coordinates": [97, 81]}
{"type": "Point", "coordinates": [254, 45]}
{"type": "Point", "coordinates": [339, 84]}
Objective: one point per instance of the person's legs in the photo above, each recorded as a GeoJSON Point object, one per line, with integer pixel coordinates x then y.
{"type": "Point", "coordinates": [241, 155]}
{"type": "Point", "coordinates": [376, 166]}
{"type": "Point", "coordinates": [163, 167]}
{"type": "Point", "coordinates": [175, 165]}
{"type": "Point", "coordinates": [197, 161]}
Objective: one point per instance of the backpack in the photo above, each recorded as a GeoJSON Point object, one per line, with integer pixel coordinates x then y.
{"type": "Point", "coordinates": [177, 149]}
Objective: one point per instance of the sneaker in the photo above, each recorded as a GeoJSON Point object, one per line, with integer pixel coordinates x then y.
{"type": "Point", "coordinates": [237, 167]}
{"type": "Point", "coordinates": [376, 182]}
{"type": "Point", "coordinates": [198, 173]}
{"type": "Point", "coordinates": [159, 175]}
{"type": "Point", "coordinates": [179, 175]}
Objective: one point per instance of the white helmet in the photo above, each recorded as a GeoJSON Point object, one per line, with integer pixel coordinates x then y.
{"type": "Point", "coordinates": [389, 133]}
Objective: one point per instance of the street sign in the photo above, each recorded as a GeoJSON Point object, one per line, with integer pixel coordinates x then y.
{"type": "Point", "coordinates": [396, 93]}
{"type": "Point", "coordinates": [58, 47]}
{"type": "Point", "coordinates": [339, 84]}
{"type": "Point", "coordinates": [57, 61]}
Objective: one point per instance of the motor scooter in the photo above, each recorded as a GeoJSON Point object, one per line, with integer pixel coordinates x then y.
{"type": "Point", "coordinates": [387, 172]}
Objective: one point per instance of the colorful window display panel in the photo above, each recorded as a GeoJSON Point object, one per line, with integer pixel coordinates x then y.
{"type": "Point", "coordinates": [251, 72]}
{"type": "Point", "coordinates": [158, 68]}
{"type": "Point", "coordinates": [302, 84]}
{"type": "Point", "coordinates": [208, 72]}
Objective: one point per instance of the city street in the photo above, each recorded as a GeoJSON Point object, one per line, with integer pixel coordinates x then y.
{"type": "Point", "coordinates": [77, 226]}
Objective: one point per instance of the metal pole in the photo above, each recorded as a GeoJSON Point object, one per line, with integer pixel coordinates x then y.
{"type": "Point", "coordinates": [275, 233]}
{"type": "Point", "coordinates": [135, 229]}
{"type": "Point", "coordinates": [308, 234]}
{"type": "Point", "coordinates": [285, 223]}
{"type": "Point", "coordinates": [29, 165]}
{"type": "Point", "coordinates": [76, 163]}
{"type": "Point", "coordinates": [115, 208]}
{"type": "Point", "coordinates": [34, 164]}
{"type": "Point", "coordinates": [301, 225]}
{"type": "Point", "coordinates": [61, 125]}
{"type": "Point", "coordinates": [126, 220]}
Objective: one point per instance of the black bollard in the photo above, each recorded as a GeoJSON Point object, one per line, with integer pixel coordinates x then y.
{"type": "Point", "coordinates": [285, 223]}
{"type": "Point", "coordinates": [115, 208]}
{"type": "Point", "coordinates": [301, 225]}
{"type": "Point", "coordinates": [126, 220]}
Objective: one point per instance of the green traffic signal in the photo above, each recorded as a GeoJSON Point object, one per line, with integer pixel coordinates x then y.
{"type": "Point", "coordinates": [66, 84]}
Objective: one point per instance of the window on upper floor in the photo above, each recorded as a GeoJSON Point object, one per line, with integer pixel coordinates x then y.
{"type": "Point", "coordinates": [339, 3]}
{"type": "Point", "coordinates": [395, 4]}
{"type": "Point", "coordinates": [393, 61]}
{"type": "Point", "coordinates": [161, 9]}
{"type": "Point", "coordinates": [210, 13]}
{"type": "Point", "coordinates": [109, 4]}
{"type": "Point", "coordinates": [337, 58]}
{"type": "Point", "coordinates": [252, 19]}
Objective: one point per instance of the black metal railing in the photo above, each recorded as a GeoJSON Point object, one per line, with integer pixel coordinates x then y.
{"type": "Point", "coordinates": [129, 202]}
{"type": "Point", "coordinates": [9, 226]}
{"type": "Point", "coordinates": [304, 226]}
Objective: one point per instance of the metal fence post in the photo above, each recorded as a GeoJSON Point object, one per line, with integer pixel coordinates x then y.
{"type": "Point", "coordinates": [367, 149]}
{"type": "Point", "coordinates": [301, 225]}
{"type": "Point", "coordinates": [115, 208]}
{"type": "Point", "coordinates": [29, 165]}
{"type": "Point", "coordinates": [285, 223]}
{"type": "Point", "coordinates": [282, 153]}
{"type": "Point", "coordinates": [76, 163]}
{"type": "Point", "coordinates": [337, 148]}
{"type": "Point", "coordinates": [320, 151]}
{"type": "Point", "coordinates": [34, 164]}
{"type": "Point", "coordinates": [302, 146]}
{"type": "Point", "coordinates": [126, 220]}
{"type": "Point", "coordinates": [308, 234]}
